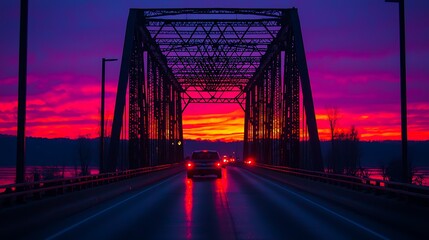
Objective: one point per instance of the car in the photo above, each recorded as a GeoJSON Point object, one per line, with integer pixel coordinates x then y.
{"type": "Point", "coordinates": [204, 162]}
{"type": "Point", "coordinates": [224, 161]}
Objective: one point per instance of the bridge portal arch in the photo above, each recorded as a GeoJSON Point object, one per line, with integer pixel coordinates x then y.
{"type": "Point", "coordinates": [251, 57]}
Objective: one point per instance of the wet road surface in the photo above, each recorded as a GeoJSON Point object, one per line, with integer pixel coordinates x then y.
{"type": "Point", "coordinates": [241, 205]}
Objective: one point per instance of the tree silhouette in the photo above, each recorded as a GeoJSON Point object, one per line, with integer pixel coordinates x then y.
{"type": "Point", "coordinates": [344, 157]}
{"type": "Point", "coordinates": [332, 114]}
{"type": "Point", "coordinates": [84, 154]}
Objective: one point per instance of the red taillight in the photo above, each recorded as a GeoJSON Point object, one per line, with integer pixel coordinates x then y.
{"type": "Point", "coordinates": [218, 164]}
{"type": "Point", "coordinates": [224, 160]}
{"type": "Point", "coordinates": [250, 160]}
{"type": "Point", "coordinates": [189, 165]}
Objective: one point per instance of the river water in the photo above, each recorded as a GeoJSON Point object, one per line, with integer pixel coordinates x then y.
{"type": "Point", "coordinates": [7, 174]}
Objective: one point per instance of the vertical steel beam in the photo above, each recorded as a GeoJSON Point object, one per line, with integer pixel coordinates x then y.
{"type": "Point", "coordinates": [294, 112]}
{"type": "Point", "coordinates": [180, 126]}
{"type": "Point", "coordinates": [158, 109]}
{"type": "Point", "coordinates": [255, 118]}
{"type": "Point", "coordinates": [22, 93]}
{"type": "Point", "coordinates": [122, 91]}
{"type": "Point", "coordinates": [103, 76]}
{"type": "Point", "coordinates": [134, 118]}
{"type": "Point", "coordinates": [306, 91]}
{"type": "Point", "coordinates": [270, 109]}
{"type": "Point", "coordinates": [150, 111]}
{"type": "Point", "coordinates": [291, 77]}
{"type": "Point", "coordinates": [171, 126]}
{"type": "Point", "coordinates": [246, 127]}
{"type": "Point", "coordinates": [277, 110]}
{"type": "Point", "coordinates": [285, 110]}
{"type": "Point", "coordinates": [261, 119]}
{"type": "Point", "coordinates": [137, 107]}
{"type": "Point", "coordinates": [405, 164]}
{"type": "Point", "coordinates": [155, 113]}
{"type": "Point", "coordinates": [140, 102]}
{"type": "Point", "coordinates": [165, 100]}
{"type": "Point", "coordinates": [144, 141]}
{"type": "Point", "coordinates": [103, 83]}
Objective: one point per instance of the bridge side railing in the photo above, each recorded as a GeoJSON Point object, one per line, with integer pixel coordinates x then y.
{"type": "Point", "coordinates": [36, 190]}
{"type": "Point", "coordinates": [402, 190]}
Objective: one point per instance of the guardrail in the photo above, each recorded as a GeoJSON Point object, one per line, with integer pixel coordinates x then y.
{"type": "Point", "coordinates": [401, 190]}
{"type": "Point", "coordinates": [36, 190]}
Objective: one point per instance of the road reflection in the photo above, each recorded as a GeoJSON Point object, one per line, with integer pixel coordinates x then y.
{"type": "Point", "coordinates": [206, 206]}
{"type": "Point", "coordinates": [222, 184]}
{"type": "Point", "coordinates": [188, 207]}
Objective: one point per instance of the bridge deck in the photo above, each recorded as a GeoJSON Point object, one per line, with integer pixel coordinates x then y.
{"type": "Point", "coordinates": [241, 205]}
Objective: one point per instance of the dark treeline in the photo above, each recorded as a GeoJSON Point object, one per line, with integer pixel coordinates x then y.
{"type": "Point", "coordinates": [62, 151]}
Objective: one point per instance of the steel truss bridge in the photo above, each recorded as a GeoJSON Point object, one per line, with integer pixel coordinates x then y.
{"type": "Point", "coordinates": [251, 57]}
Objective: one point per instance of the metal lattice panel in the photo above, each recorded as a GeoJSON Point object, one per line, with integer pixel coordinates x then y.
{"type": "Point", "coordinates": [219, 53]}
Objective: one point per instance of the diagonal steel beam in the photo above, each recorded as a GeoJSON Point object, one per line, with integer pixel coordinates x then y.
{"type": "Point", "coordinates": [317, 162]}
{"type": "Point", "coordinates": [271, 53]}
{"type": "Point", "coordinates": [156, 54]}
{"type": "Point", "coordinates": [121, 92]}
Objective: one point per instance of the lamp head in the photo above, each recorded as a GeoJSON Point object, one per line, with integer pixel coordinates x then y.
{"type": "Point", "coordinates": [110, 59]}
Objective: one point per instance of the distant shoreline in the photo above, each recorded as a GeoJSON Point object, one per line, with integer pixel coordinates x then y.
{"type": "Point", "coordinates": [63, 151]}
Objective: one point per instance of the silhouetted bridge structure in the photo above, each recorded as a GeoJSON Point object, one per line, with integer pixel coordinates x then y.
{"type": "Point", "coordinates": [251, 57]}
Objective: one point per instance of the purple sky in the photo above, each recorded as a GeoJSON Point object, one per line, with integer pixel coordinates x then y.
{"type": "Point", "coordinates": [352, 51]}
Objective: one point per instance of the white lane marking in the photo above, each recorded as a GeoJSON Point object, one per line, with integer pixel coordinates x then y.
{"type": "Point", "coordinates": [107, 209]}
{"type": "Point", "coordinates": [323, 207]}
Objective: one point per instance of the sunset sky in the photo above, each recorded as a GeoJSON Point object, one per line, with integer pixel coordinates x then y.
{"type": "Point", "coordinates": [352, 52]}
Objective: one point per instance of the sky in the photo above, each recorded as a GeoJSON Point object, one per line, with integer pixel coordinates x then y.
{"type": "Point", "coordinates": [352, 50]}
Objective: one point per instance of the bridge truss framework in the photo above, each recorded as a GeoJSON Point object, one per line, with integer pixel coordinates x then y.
{"type": "Point", "coordinates": [251, 57]}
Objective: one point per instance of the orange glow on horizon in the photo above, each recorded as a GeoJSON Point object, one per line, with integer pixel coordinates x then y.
{"type": "Point", "coordinates": [80, 118]}
{"type": "Point", "coordinates": [371, 127]}
{"type": "Point", "coordinates": [214, 127]}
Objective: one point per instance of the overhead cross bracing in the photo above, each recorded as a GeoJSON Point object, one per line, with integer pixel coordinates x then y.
{"type": "Point", "coordinates": [253, 57]}
{"type": "Point", "coordinates": [213, 53]}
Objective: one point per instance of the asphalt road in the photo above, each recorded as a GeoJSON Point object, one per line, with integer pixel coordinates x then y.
{"type": "Point", "coordinates": [241, 205]}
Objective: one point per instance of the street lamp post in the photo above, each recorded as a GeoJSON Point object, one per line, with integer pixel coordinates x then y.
{"type": "Point", "coordinates": [405, 165]}
{"type": "Point", "coordinates": [103, 73]}
{"type": "Point", "coordinates": [22, 93]}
